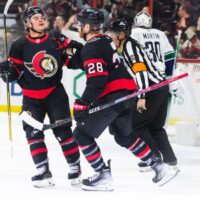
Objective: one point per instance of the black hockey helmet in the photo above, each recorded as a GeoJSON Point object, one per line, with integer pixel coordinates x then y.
{"type": "Point", "coordinates": [30, 11]}
{"type": "Point", "coordinates": [91, 16]}
{"type": "Point", "coordinates": [120, 25]}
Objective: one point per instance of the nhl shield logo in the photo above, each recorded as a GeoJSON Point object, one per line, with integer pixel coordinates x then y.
{"type": "Point", "coordinates": [43, 65]}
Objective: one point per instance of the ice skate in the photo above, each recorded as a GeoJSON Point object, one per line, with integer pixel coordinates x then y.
{"type": "Point", "coordinates": [100, 181]}
{"type": "Point", "coordinates": [164, 173]}
{"type": "Point", "coordinates": [75, 174]}
{"type": "Point", "coordinates": [43, 178]}
{"type": "Point", "coordinates": [144, 167]}
{"type": "Point", "coordinates": [174, 166]}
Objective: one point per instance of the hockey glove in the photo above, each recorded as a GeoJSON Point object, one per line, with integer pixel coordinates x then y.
{"type": "Point", "coordinates": [60, 41]}
{"type": "Point", "coordinates": [80, 110]}
{"type": "Point", "coordinates": [176, 89]}
{"type": "Point", "coordinates": [5, 68]}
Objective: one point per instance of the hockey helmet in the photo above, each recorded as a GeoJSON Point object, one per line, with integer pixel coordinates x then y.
{"type": "Point", "coordinates": [91, 16]}
{"type": "Point", "coordinates": [120, 25]}
{"type": "Point", "coordinates": [143, 19]}
{"type": "Point", "coordinates": [30, 11]}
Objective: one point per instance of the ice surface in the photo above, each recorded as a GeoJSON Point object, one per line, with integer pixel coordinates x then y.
{"type": "Point", "coordinates": [129, 183]}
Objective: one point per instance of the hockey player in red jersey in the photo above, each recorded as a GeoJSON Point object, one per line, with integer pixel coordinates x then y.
{"type": "Point", "coordinates": [107, 80]}
{"type": "Point", "coordinates": [36, 62]}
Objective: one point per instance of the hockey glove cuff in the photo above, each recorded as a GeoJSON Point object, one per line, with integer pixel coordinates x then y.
{"type": "Point", "coordinates": [80, 110]}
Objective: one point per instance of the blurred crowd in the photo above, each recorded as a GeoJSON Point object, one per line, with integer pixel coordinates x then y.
{"type": "Point", "coordinates": [169, 16]}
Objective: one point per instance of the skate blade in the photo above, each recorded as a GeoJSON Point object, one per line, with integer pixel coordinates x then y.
{"type": "Point", "coordinates": [75, 181]}
{"type": "Point", "coordinates": [44, 183]}
{"type": "Point", "coordinates": [106, 187]}
{"type": "Point", "coordinates": [171, 174]}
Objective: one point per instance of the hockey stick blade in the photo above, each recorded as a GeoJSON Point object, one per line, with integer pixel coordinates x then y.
{"type": "Point", "coordinates": [9, 2]}
{"type": "Point", "coordinates": [40, 126]}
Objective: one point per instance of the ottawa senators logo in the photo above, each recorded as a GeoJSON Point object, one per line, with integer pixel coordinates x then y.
{"type": "Point", "coordinates": [43, 65]}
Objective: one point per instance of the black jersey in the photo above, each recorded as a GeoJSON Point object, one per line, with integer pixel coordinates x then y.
{"type": "Point", "coordinates": [104, 71]}
{"type": "Point", "coordinates": [38, 63]}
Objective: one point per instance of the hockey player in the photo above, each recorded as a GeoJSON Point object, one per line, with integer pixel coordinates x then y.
{"type": "Point", "coordinates": [150, 111]}
{"type": "Point", "coordinates": [36, 62]}
{"type": "Point", "coordinates": [107, 80]}
{"type": "Point", "coordinates": [162, 56]}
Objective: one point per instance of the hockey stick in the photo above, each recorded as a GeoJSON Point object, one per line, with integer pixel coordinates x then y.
{"type": "Point", "coordinates": [5, 13]}
{"type": "Point", "coordinates": [40, 126]}
{"type": "Point", "coordinates": [177, 50]}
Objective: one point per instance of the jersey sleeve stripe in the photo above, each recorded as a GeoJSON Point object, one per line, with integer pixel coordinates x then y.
{"type": "Point", "coordinates": [170, 55]}
{"type": "Point", "coordinates": [66, 42]}
{"type": "Point", "coordinates": [97, 74]}
{"type": "Point", "coordinates": [16, 61]}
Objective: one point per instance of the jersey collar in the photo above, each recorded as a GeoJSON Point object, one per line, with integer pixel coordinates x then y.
{"type": "Point", "coordinates": [37, 40]}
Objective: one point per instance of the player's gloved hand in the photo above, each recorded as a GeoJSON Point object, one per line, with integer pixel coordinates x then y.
{"type": "Point", "coordinates": [176, 89]}
{"type": "Point", "coordinates": [5, 68]}
{"type": "Point", "coordinates": [60, 41]}
{"type": "Point", "coordinates": [80, 110]}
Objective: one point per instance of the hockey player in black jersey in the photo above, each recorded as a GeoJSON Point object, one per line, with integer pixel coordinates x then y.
{"type": "Point", "coordinates": [150, 110]}
{"type": "Point", "coordinates": [36, 62]}
{"type": "Point", "coordinates": [107, 80]}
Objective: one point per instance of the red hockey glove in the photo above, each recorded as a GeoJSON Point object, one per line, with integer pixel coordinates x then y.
{"type": "Point", "coordinates": [80, 110]}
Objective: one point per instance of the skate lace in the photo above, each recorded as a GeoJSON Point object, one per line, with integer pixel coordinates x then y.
{"type": "Point", "coordinates": [74, 169]}
{"type": "Point", "coordinates": [94, 177]}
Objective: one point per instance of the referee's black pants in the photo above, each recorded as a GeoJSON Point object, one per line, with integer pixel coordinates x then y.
{"type": "Point", "coordinates": [149, 124]}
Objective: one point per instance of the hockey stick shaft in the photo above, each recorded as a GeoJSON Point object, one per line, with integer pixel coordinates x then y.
{"type": "Point", "coordinates": [177, 49]}
{"type": "Point", "coordinates": [9, 2]}
{"type": "Point", "coordinates": [40, 126]}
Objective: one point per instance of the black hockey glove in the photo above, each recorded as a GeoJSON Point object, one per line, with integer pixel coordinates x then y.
{"type": "Point", "coordinates": [60, 41]}
{"type": "Point", "coordinates": [5, 68]}
{"type": "Point", "coordinates": [81, 109]}
{"type": "Point", "coordinates": [74, 45]}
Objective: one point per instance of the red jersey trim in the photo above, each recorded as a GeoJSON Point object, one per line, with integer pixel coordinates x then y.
{"type": "Point", "coordinates": [37, 40]}
{"type": "Point", "coordinates": [37, 94]}
{"type": "Point", "coordinates": [66, 42]}
{"type": "Point", "coordinates": [17, 61]}
{"type": "Point", "coordinates": [94, 61]}
{"type": "Point", "coordinates": [66, 62]}
{"type": "Point", "coordinates": [121, 84]}
{"type": "Point", "coordinates": [97, 74]}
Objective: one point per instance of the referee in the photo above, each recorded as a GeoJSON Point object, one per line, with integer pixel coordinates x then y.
{"type": "Point", "coordinates": [150, 110]}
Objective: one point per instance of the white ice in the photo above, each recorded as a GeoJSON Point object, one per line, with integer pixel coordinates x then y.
{"type": "Point", "coordinates": [129, 183]}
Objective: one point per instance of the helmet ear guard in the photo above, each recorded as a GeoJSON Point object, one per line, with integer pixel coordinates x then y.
{"type": "Point", "coordinates": [143, 19]}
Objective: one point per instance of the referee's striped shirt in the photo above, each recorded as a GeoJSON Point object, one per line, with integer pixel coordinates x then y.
{"type": "Point", "coordinates": [137, 59]}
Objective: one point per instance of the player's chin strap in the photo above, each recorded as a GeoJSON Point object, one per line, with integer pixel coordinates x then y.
{"type": "Point", "coordinates": [41, 126]}
{"type": "Point", "coordinates": [35, 30]}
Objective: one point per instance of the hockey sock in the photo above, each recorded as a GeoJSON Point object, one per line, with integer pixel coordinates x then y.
{"type": "Point", "coordinates": [141, 150]}
{"type": "Point", "coordinates": [93, 156]}
{"type": "Point", "coordinates": [38, 150]}
{"type": "Point", "coordinates": [70, 150]}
